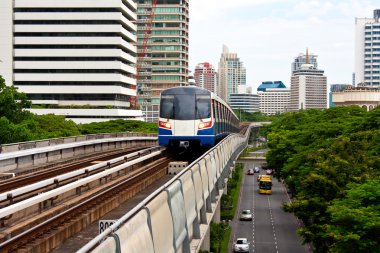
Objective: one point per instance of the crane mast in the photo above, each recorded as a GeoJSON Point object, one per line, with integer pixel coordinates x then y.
{"type": "Point", "coordinates": [140, 57]}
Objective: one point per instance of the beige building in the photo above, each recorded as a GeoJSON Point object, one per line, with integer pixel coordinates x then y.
{"type": "Point", "coordinates": [231, 74]}
{"type": "Point", "coordinates": [364, 97]}
{"type": "Point", "coordinates": [308, 89]}
{"type": "Point", "coordinates": [166, 61]}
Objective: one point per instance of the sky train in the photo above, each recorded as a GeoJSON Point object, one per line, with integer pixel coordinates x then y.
{"type": "Point", "coordinates": [191, 116]}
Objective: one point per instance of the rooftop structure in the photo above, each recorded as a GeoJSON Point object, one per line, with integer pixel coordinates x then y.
{"type": "Point", "coordinates": [271, 85]}
{"type": "Point", "coordinates": [365, 97]}
{"type": "Point", "coordinates": [336, 88]}
{"type": "Point", "coordinates": [304, 59]}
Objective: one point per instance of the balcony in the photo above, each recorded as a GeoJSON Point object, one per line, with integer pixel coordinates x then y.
{"type": "Point", "coordinates": [146, 88]}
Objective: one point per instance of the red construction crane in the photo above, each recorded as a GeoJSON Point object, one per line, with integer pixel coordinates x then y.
{"type": "Point", "coordinates": [140, 56]}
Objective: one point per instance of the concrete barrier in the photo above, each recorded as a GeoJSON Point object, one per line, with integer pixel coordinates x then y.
{"type": "Point", "coordinates": [135, 236]}
{"type": "Point", "coordinates": [189, 196]}
{"type": "Point", "coordinates": [178, 211]}
{"type": "Point", "coordinates": [199, 197]}
{"type": "Point", "coordinates": [160, 214]}
{"type": "Point", "coordinates": [108, 246]}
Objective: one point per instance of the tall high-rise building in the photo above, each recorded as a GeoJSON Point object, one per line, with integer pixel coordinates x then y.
{"type": "Point", "coordinates": [274, 97]}
{"type": "Point", "coordinates": [301, 59]}
{"type": "Point", "coordinates": [308, 88]}
{"type": "Point", "coordinates": [165, 63]}
{"type": "Point", "coordinates": [367, 50]}
{"type": "Point", "coordinates": [71, 58]}
{"type": "Point", "coordinates": [231, 74]}
{"type": "Point", "coordinates": [205, 76]}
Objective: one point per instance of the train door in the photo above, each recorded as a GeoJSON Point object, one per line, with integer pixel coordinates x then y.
{"type": "Point", "coordinates": [184, 114]}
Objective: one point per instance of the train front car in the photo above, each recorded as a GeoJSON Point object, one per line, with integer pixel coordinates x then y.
{"type": "Point", "coordinates": [185, 118]}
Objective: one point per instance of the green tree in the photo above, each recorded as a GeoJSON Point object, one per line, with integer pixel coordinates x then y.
{"type": "Point", "coordinates": [10, 132]}
{"type": "Point", "coordinates": [53, 126]}
{"type": "Point", "coordinates": [319, 154]}
{"type": "Point", "coordinates": [13, 103]}
{"type": "Point", "coordinates": [355, 222]}
{"type": "Point", "coordinates": [217, 232]}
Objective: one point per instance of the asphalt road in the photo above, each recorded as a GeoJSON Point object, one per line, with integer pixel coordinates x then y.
{"type": "Point", "coordinates": [271, 230]}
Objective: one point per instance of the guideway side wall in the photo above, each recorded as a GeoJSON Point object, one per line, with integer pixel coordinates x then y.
{"type": "Point", "coordinates": [180, 212]}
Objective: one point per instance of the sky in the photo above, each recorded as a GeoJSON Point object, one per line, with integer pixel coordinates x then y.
{"type": "Point", "coordinates": [268, 34]}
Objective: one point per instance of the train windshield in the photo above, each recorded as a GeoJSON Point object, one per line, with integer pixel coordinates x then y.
{"type": "Point", "coordinates": [185, 106]}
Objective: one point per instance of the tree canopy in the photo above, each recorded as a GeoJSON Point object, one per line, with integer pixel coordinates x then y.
{"type": "Point", "coordinates": [17, 124]}
{"type": "Point", "coordinates": [329, 159]}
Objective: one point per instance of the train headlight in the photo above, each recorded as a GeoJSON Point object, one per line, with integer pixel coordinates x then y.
{"type": "Point", "coordinates": [164, 124]}
{"type": "Point", "coordinates": [203, 125]}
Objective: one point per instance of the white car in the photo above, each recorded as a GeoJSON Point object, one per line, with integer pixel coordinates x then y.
{"type": "Point", "coordinates": [246, 215]}
{"type": "Point", "coordinates": [257, 169]}
{"type": "Point", "coordinates": [241, 245]}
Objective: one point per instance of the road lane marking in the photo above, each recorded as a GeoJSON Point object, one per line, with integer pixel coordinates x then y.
{"type": "Point", "coordinates": [272, 222]}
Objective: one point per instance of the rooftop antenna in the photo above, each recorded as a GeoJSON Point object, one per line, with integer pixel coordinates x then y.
{"type": "Point", "coordinates": [307, 56]}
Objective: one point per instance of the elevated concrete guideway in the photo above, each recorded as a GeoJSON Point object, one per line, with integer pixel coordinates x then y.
{"type": "Point", "coordinates": [177, 216]}
{"type": "Point", "coordinates": [22, 155]}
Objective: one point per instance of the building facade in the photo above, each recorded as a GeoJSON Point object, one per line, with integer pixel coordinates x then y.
{"type": "Point", "coordinates": [245, 102]}
{"type": "Point", "coordinates": [72, 54]}
{"type": "Point", "coordinates": [303, 59]}
{"type": "Point", "coordinates": [367, 50]}
{"type": "Point", "coordinates": [274, 97]}
{"type": "Point", "coordinates": [231, 74]}
{"type": "Point", "coordinates": [166, 61]}
{"type": "Point", "coordinates": [308, 89]}
{"type": "Point", "coordinates": [336, 88]}
{"type": "Point", "coordinates": [205, 76]}
{"type": "Point", "coordinates": [365, 97]}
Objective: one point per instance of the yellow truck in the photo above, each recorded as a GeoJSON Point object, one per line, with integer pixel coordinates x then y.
{"type": "Point", "coordinates": [265, 184]}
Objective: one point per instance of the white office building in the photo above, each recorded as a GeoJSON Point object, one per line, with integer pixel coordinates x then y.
{"type": "Point", "coordinates": [244, 102]}
{"type": "Point", "coordinates": [274, 97]}
{"type": "Point", "coordinates": [308, 89]}
{"type": "Point", "coordinates": [367, 50]}
{"type": "Point", "coordinates": [74, 57]}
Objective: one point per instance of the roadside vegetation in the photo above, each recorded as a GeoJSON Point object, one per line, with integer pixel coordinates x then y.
{"type": "Point", "coordinates": [330, 162]}
{"type": "Point", "coordinates": [17, 124]}
{"type": "Point", "coordinates": [220, 233]}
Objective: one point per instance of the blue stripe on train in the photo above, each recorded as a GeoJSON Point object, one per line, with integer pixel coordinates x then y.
{"type": "Point", "coordinates": [204, 140]}
{"type": "Point", "coordinates": [162, 131]}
